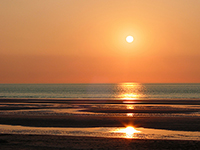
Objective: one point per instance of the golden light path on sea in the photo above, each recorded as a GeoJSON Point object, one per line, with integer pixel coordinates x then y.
{"type": "Point", "coordinates": [131, 91]}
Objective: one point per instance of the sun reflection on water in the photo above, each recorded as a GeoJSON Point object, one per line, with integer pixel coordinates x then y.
{"type": "Point", "coordinates": [131, 91]}
{"type": "Point", "coordinates": [129, 131]}
{"type": "Point", "coordinates": [130, 96]}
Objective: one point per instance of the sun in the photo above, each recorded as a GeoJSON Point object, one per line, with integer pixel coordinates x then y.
{"type": "Point", "coordinates": [129, 39]}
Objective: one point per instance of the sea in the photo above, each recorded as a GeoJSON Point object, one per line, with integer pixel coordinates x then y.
{"type": "Point", "coordinates": [103, 91]}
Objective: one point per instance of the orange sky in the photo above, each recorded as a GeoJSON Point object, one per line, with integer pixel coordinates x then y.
{"type": "Point", "coordinates": [74, 41]}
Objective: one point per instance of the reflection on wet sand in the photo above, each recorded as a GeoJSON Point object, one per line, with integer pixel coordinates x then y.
{"type": "Point", "coordinates": [129, 131]}
{"type": "Point", "coordinates": [106, 132]}
{"type": "Point", "coordinates": [129, 114]}
{"type": "Point", "coordinates": [130, 107]}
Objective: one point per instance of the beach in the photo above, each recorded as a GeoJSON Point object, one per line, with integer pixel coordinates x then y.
{"type": "Point", "coordinates": [40, 123]}
{"type": "Point", "coordinates": [180, 115]}
{"type": "Point", "coordinates": [47, 142]}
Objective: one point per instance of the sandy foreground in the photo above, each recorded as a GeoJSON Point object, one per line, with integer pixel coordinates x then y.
{"type": "Point", "coordinates": [182, 115]}
{"type": "Point", "coordinates": [49, 142]}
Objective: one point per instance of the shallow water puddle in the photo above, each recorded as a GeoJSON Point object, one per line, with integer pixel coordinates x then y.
{"type": "Point", "coordinates": [108, 132]}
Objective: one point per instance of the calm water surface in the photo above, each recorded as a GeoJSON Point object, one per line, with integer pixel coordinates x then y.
{"type": "Point", "coordinates": [122, 90]}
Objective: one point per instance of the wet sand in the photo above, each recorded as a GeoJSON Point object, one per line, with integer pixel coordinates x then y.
{"type": "Point", "coordinates": [47, 142]}
{"type": "Point", "coordinates": [176, 123]}
{"type": "Point", "coordinates": [181, 115]}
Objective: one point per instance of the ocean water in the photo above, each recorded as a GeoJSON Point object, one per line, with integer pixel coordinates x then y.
{"type": "Point", "coordinates": [109, 91]}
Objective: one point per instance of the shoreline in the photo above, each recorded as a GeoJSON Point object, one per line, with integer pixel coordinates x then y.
{"type": "Point", "coordinates": [174, 101]}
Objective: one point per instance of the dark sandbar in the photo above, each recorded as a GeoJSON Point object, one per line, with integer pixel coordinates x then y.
{"type": "Point", "coordinates": [49, 142]}
{"type": "Point", "coordinates": [170, 123]}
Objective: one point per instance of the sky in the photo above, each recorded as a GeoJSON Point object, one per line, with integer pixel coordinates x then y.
{"type": "Point", "coordinates": [83, 41]}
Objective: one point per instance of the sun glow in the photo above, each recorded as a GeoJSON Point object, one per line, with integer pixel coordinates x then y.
{"type": "Point", "coordinates": [129, 39]}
